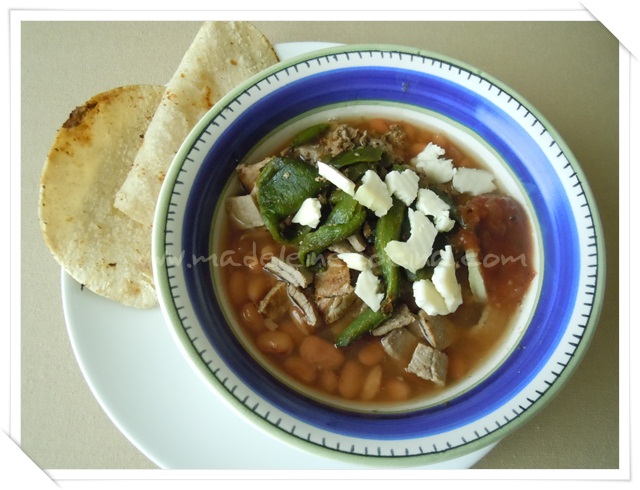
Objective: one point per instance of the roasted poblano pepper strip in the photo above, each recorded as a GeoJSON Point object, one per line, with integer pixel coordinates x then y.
{"type": "Point", "coordinates": [345, 218]}
{"type": "Point", "coordinates": [425, 273]}
{"type": "Point", "coordinates": [362, 154]}
{"type": "Point", "coordinates": [365, 322]}
{"type": "Point", "coordinates": [283, 185]}
{"type": "Point", "coordinates": [356, 171]}
{"type": "Point", "coordinates": [309, 134]}
{"type": "Point", "coordinates": [388, 228]}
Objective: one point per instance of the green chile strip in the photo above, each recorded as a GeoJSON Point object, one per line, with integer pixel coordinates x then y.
{"type": "Point", "coordinates": [309, 134]}
{"type": "Point", "coordinates": [388, 228]}
{"type": "Point", "coordinates": [357, 155]}
{"type": "Point", "coordinates": [346, 217]}
{"type": "Point", "coordinates": [283, 185]}
{"type": "Point", "coordinates": [365, 322]}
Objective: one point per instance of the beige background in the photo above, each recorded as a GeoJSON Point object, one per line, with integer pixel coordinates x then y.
{"type": "Point", "coordinates": [569, 71]}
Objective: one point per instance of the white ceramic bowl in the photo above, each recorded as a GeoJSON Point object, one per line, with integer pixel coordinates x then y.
{"type": "Point", "coordinates": [480, 114]}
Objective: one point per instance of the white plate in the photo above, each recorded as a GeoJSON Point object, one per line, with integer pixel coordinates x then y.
{"type": "Point", "coordinates": [145, 385]}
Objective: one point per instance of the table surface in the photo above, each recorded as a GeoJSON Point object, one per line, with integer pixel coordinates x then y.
{"type": "Point", "coordinates": [567, 70]}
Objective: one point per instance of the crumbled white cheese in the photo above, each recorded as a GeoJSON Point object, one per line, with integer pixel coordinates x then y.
{"type": "Point", "coordinates": [445, 281]}
{"type": "Point", "coordinates": [366, 289]}
{"type": "Point", "coordinates": [414, 253]}
{"type": "Point", "coordinates": [336, 177]}
{"type": "Point", "coordinates": [357, 242]}
{"type": "Point", "coordinates": [404, 185]}
{"type": "Point", "coordinates": [428, 298]}
{"type": "Point", "coordinates": [474, 181]}
{"type": "Point", "coordinates": [430, 204]}
{"type": "Point", "coordinates": [309, 213]}
{"type": "Point", "coordinates": [355, 261]}
{"type": "Point", "coordinates": [430, 152]}
{"type": "Point", "coordinates": [476, 282]}
{"type": "Point", "coordinates": [373, 194]}
{"type": "Point", "coordinates": [438, 170]}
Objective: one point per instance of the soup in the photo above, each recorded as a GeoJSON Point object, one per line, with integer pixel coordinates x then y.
{"type": "Point", "coordinates": [374, 261]}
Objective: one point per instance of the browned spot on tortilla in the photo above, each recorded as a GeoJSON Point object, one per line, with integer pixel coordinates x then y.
{"type": "Point", "coordinates": [65, 148]}
{"type": "Point", "coordinates": [133, 288]}
{"type": "Point", "coordinates": [233, 62]}
{"type": "Point", "coordinates": [77, 115]}
{"type": "Point", "coordinates": [207, 98]}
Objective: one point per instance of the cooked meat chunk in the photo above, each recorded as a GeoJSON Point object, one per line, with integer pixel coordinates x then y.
{"type": "Point", "coordinates": [308, 153]}
{"type": "Point", "coordinates": [396, 136]}
{"type": "Point", "coordinates": [435, 331]}
{"type": "Point", "coordinates": [248, 173]}
{"type": "Point", "coordinates": [275, 303]}
{"type": "Point", "coordinates": [297, 276]}
{"type": "Point", "coordinates": [401, 318]}
{"type": "Point", "coordinates": [301, 301]}
{"type": "Point", "coordinates": [333, 308]}
{"type": "Point", "coordinates": [399, 344]}
{"type": "Point", "coordinates": [334, 293]}
{"type": "Point", "coordinates": [243, 212]}
{"type": "Point", "coordinates": [335, 280]}
{"type": "Point", "coordinates": [429, 364]}
{"type": "Point", "coordinates": [341, 139]}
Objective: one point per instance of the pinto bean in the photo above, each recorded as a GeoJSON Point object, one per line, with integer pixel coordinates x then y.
{"type": "Point", "coordinates": [251, 317]}
{"type": "Point", "coordinates": [300, 369]}
{"type": "Point", "coordinates": [275, 342]}
{"type": "Point", "coordinates": [321, 353]}
{"type": "Point", "coordinates": [396, 389]}
{"type": "Point", "coordinates": [298, 318]}
{"type": "Point", "coordinates": [371, 354]}
{"type": "Point", "coordinates": [372, 383]}
{"type": "Point", "coordinates": [289, 326]}
{"type": "Point", "coordinates": [329, 381]}
{"type": "Point", "coordinates": [351, 379]}
{"type": "Point", "coordinates": [257, 287]}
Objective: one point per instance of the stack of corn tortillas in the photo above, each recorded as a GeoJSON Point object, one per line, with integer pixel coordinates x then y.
{"type": "Point", "coordinates": [221, 56]}
{"type": "Point", "coordinates": [103, 174]}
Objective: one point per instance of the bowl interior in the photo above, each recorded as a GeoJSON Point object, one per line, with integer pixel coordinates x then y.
{"type": "Point", "coordinates": [466, 140]}
{"type": "Point", "coordinates": [490, 121]}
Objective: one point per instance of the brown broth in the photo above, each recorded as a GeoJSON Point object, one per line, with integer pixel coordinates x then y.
{"type": "Point", "coordinates": [364, 364]}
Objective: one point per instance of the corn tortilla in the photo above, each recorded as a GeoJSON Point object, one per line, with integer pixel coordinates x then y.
{"type": "Point", "coordinates": [222, 55]}
{"type": "Point", "coordinates": [98, 245]}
